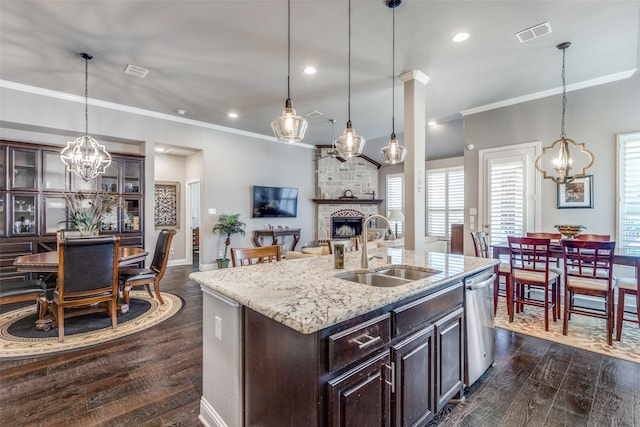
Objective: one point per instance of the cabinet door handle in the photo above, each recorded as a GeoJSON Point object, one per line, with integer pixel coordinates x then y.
{"type": "Point", "coordinates": [392, 383]}
{"type": "Point", "coordinates": [369, 340]}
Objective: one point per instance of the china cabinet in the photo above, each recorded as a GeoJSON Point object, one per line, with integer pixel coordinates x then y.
{"type": "Point", "coordinates": [33, 204]}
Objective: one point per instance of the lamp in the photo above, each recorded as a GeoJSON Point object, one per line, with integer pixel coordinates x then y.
{"type": "Point", "coordinates": [349, 144]}
{"type": "Point", "coordinates": [565, 155]}
{"type": "Point", "coordinates": [84, 155]}
{"type": "Point", "coordinates": [289, 127]}
{"type": "Point", "coordinates": [394, 152]}
{"type": "Point", "coordinates": [396, 216]}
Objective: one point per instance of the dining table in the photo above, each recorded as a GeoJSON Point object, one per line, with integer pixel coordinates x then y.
{"type": "Point", "coordinates": [47, 262]}
{"type": "Point", "coordinates": [629, 256]}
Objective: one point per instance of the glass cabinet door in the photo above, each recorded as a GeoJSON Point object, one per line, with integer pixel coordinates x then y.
{"type": "Point", "coordinates": [109, 222]}
{"type": "Point", "coordinates": [108, 181]}
{"type": "Point", "coordinates": [131, 214]}
{"type": "Point", "coordinates": [54, 172]}
{"type": "Point", "coordinates": [3, 214]}
{"type": "Point", "coordinates": [25, 171]}
{"type": "Point", "coordinates": [132, 176]}
{"type": "Point", "coordinates": [24, 220]}
{"type": "Point", "coordinates": [3, 179]}
{"type": "Point", "coordinates": [55, 213]}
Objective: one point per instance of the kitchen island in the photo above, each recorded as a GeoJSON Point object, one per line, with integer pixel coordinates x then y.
{"type": "Point", "coordinates": [289, 343]}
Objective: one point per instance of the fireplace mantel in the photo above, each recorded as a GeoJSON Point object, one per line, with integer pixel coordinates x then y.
{"type": "Point", "coordinates": [348, 201]}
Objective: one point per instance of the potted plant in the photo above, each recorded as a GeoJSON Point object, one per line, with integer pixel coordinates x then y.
{"type": "Point", "coordinates": [228, 224]}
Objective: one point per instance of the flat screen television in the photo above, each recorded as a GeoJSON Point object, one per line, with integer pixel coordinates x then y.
{"type": "Point", "coordinates": [275, 202]}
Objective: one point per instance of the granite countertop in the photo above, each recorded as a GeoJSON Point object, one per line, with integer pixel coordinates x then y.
{"type": "Point", "coordinates": [306, 295]}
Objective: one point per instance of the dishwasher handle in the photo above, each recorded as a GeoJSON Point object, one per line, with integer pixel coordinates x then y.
{"type": "Point", "coordinates": [473, 286]}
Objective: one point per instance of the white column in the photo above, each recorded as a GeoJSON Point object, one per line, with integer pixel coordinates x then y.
{"type": "Point", "coordinates": [415, 83]}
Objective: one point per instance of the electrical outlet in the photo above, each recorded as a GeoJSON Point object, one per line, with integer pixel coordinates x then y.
{"type": "Point", "coordinates": [218, 331]}
{"type": "Point", "coordinates": [171, 251]}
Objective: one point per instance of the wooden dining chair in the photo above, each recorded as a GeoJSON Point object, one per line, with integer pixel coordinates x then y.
{"type": "Point", "coordinates": [87, 279]}
{"type": "Point", "coordinates": [529, 260]}
{"type": "Point", "coordinates": [349, 244]}
{"type": "Point", "coordinates": [626, 286]}
{"type": "Point", "coordinates": [249, 256]}
{"type": "Point", "coordinates": [481, 246]}
{"type": "Point", "coordinates": [594, 237]}
{"type": "Point", "coordinates": [132, 277]}
{"type": "Point", "coordinates": [588, 267]}
{"type": "Point", "coordinates": [554, 264]}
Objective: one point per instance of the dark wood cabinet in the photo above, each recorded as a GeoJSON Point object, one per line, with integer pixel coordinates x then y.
{"type": "Point", "coordinates": [413, 361]}
{"type": "Point", "coordinates": [395, 366]}
{"type": "Point", "coordinates": [450, 357]}
{"type": "Point", "coordinates": [33, 204]}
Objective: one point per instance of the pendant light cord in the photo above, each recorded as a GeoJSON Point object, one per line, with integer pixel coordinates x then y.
{"type": "Point", "coordinates": [564, 93]}
{"type": "Point", "coordinates": [288, 48]}
{"type": "Point", "coordinates": [349, 68]}
{"type": "Point", "coordinates": [393, 74]}
{"type": "Point", "coordinates": [86, 95]}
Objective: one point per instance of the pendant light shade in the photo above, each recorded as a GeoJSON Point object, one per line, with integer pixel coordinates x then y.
{"type": "Point", "coordinates": [289, 127]}
{"type": "Point", "coordinates": [564, 160]}
{"type": "Point", "coordinates": [350, 144]}
{"type": "Point", "coordinates": [393, 153]}
{"type": "Point", "coordinates": [85, 156]}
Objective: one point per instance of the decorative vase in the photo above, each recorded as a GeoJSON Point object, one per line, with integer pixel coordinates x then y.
{"type": "Point", "coordinates": [222, 263]}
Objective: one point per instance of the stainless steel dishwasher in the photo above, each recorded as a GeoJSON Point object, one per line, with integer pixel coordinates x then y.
{"type": "Point", "coordinates": [481, 329]}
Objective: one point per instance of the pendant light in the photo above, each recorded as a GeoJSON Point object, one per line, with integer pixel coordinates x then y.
{"type": "Point", "coordinates": [289, 127]}
{"type": "Point", "coordinates": [349, 144]}
{"type": "Point", "coordinates": [564, 160]}
{"type": "Point", "coordinates": [393, 153]}
{"type": "Point", "coordinates": [85, 156]}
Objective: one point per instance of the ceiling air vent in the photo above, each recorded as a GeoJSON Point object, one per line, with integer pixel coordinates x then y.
{"type": "Point", "coordinates": [314, 114]}
{"type": "Point", "coordinates": [134, 70]}
{"type": "Point", "coordinates": [534, 32]}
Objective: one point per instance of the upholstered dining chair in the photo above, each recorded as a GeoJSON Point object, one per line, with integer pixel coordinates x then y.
{"type": "Point", "coordinates": [626, 286]}
{"type": "Point", "coordinates": [248, 256]}
{"type": "Point", "coordinates": [87, 278]}
{"type": "Point", "coordinates": [22, 290]}
{"type": "Point", "coordinates": [481, 246]}
{"type": "Point", "coordinates": [132, 277]}
{"type": "Point", "coordinates": [588, 267]}
{"type": "Point", "coordinates": [349, 244]}
{"type": "Point", "coordinates": [529, 259]}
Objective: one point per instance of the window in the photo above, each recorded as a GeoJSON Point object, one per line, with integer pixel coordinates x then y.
{"type": "Point", "coordinates": [445, 200]}
{"type": "Point", "coordinates": [395, 198]}
{"type": "Point", "coordinates": [628, 194]}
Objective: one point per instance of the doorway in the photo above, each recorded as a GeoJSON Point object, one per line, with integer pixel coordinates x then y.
{"type": "Point", "coordinates": [193, 238]}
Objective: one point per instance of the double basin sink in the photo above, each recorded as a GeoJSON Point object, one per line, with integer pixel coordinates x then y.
{"type": "Point", "coordinates": [389, 277]}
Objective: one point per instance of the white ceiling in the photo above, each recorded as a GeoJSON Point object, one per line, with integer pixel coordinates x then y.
{"type": "Point", "coordinates": [210, 57]}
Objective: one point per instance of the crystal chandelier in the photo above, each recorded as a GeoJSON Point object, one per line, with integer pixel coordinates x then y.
{"type": "Point", "coordinates": [393, 153]}
{"type": "Point", "coordinates": [289, 127]}
{"type": "Point", "coordinates": [84, 155]}
{"type": "Point", "coordinates": [564, 160]}
{"type": "Point", "coordinates": [349, 144]}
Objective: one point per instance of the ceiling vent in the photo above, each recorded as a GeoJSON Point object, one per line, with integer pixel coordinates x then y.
{"type": "Point", "coordinates": [134, 70]}
{"type": "Point", "coordinates": [534, 32]}
{"type": "Point", "coordinates": [314, 114]}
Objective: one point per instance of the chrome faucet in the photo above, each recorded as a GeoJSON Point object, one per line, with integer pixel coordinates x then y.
{"type": "Point", "coordinates": [364, 264]}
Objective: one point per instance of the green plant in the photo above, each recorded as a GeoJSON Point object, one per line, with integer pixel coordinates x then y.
{"type": "Point", "coordinates": [229, 225]}
{"type": "Point", "coordinates": [86, 210]}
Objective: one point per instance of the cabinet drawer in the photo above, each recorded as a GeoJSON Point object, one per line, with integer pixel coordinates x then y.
{"type": "Point", "coordinates": [358, 341]}
{"type": "Point", "coordinates": [414, 314]}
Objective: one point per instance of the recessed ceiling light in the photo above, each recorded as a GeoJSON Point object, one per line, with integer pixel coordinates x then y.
{"type": "Point", "coordinates": [310, 70]}
{"type": "Point", "coordinates": [159, 150]}
{"type": "Point", "coordinates": [432, 123]}
{"type": "Point", "coordinates": [181, 112]}
{"type": "Point", "coordinates": [233, 115]}
{"type": "Point", "coordinates": [460, 37]}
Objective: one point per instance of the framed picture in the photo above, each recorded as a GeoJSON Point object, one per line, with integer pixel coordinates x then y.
{"type": "Point", "coordinates": [166, 197]}
{"type": "Point", "coordinates": [576, 194]}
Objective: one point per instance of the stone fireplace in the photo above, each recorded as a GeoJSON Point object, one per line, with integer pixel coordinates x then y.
{"type": "Point", "coordinates": [346, 223]}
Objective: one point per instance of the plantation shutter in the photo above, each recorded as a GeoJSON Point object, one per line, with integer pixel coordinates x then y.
{"type": "Point", "coordinates": [506, 199]}
{"type": "Point", "coordinates": [629, 195]}
{"type": "Point", "coordinates": [445, 200]}
{"type": "Point", "coordinates": [395, 198]}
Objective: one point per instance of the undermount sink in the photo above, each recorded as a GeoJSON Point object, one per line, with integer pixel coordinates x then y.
{"type": "Point", "coordinates": [388, 277]}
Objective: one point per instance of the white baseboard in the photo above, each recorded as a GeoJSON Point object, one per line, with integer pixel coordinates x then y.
{"type": "Point", "coordinates": [208, 416]}
{"type": "Point", "coordinates": [174, 262]}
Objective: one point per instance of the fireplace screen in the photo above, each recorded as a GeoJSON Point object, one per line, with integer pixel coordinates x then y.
{"type": "Point", "coordinates": [344, 227]}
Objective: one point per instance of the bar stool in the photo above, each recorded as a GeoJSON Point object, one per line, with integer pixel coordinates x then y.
{"type": "Point", "coordinates": [481, 246]}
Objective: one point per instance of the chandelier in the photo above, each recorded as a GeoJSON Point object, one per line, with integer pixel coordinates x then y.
{"type": "Point", "coordinates": [349, 144]}
{"type": "Point", "coordinates": [394, 152]}
{"type": "Point", "coordinates": [564, 160]}
{"type": "Point", "coordinates": [85, 156]}
{"type": "Point", "coordinates": [289, 127]}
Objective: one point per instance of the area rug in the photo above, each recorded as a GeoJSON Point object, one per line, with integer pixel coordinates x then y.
{"type": "Point", "coordinates": [585, 332]}
{"type": "Point", "coordinates": [18, 337]}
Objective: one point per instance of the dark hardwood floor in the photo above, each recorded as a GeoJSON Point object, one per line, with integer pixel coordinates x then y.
{"type": "Point", "coordinates": [154, 378]}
